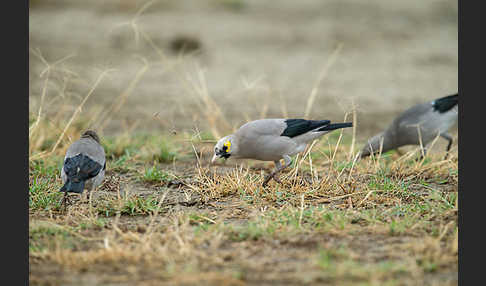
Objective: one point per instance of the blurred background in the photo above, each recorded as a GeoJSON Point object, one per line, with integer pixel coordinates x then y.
{"type": "Point", "coordinates": [172, 66]}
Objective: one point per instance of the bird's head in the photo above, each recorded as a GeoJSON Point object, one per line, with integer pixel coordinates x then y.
{"type": "Point", "coordinates": [373, 145]}
{"type": "Point", "coordinates": [91, 134]}
{"type": "Point", "coordinates": [224, 148]}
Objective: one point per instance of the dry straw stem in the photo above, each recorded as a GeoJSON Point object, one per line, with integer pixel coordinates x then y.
{"type": "Point", "coordinates": [365, 198]}
{"type": "Point", "coordinates": [197, 157]}
{"type": "Point", "coordinates": [51, 67]}
{"type": "Point", "coordinates": [355, 123]}
{"type": "Point", "coordinates": [137, 30]}
{"type": "Point", "coordinates": [47, 71]}
{"type": "Point", "coordinates": [420, 140]}
{"type": "Point", "coordinates": [209, 107]}
{"type": "Point", "coordinates": [295, 170]}
{"type": "Point", "coordinates": [39, 114]}
{"type": "Point", "coordinates": [418, 164]}
{"type": "Point", "coordinates": [302, 207]}
{"type": "Point", "coordinates": [158, 50]}
{"type": "Point", "coordinates": [133, 22]}
{"type": "Point", "coordinates": [249, 87]}
{"type": "Point", "coordinates": [322, 75]}
{"type": "Point", "coordinates": [356, 157]}
{"type": "Point", "coordinates": [444, 230]}
{"type": "Point", "coordinates": [121, 99]}
{"type": "Point", "coordinates": [375, 159]}
{"type": "Point", "coordinates": [80, 106]}
{"type": "Point", "coordinates": [337, 146]}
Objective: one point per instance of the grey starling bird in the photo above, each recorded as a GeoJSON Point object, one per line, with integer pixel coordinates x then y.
{"type": "Point", "coordinates": [272, 140]}
{"type": "Point", "coordinates": [84, 165]}
{"type": "Point", "coordinates": [422, 122]}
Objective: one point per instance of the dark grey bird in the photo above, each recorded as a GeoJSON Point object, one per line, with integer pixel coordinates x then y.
{"type": "Point", "coordinates": [84, 165]}
{"type": "Point", "coordinates": [272, 140]}
{"type": "Point", "coordinates": [418, 125]}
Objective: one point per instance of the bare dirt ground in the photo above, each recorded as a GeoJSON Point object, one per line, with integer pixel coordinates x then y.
{"type": "Point", "coordinates": [385, 224]}
{"type": "Point", "coordinates": [259, 58]}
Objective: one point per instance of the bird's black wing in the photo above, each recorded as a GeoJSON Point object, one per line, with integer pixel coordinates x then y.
{"type": "Point", "coordinates": [445, 103]}
{"type": "Point", "coordinates": [335, 126]}
{"type": "Point", "coordinates": [82, 167]}
{"type": "Point", "coordinates": [296, 127]}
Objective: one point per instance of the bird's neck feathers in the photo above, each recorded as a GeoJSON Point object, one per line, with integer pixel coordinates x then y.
{"type": "Point", "coordinates": [91, 136]}
{"type": "Point", "coordinates": [382, 141]}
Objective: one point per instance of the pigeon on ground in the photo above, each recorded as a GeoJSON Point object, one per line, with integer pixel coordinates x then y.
{"type": "Point", "coordinates": [272, 140]}
{"type": "Point", "coordinates": [434, 118]}
{"type": "Point", "coordinates": [84, 165]}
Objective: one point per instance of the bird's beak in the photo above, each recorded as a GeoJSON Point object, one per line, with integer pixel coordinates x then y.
{"type": "Point", "coordinates": [214, 158]}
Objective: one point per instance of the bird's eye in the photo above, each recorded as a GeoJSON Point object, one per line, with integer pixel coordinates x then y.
{"type": "Point", "coordinates": [225, 148]}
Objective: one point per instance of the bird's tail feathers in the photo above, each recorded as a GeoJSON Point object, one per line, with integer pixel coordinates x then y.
{"type": "Point", "coordinates": [446, 103]}
{"type": "Point", "coordinates": [73, 187]}
{"type": "Point", "coordinates": [335, 126]}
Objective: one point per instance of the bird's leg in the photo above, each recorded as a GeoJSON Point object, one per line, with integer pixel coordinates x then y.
{"type": "Point", "coordinates": [65, 199]}
{"type": "Point", "coordinates": [448, 138]}
{"type": "Point", "coordinates": [277, 179]}
{"type": "Point", "coordinates": [288, 161]}
{"type": "Point", "coordinates": [279, 168]}
{"type": "Point", "coordinates": [275, 174]}
{"type": "Point", "coordinates": [272, 174]}
{"type": "Point", "coordinates": [84, 196]}
{"type": "Point", "coordinates": [90, 195]}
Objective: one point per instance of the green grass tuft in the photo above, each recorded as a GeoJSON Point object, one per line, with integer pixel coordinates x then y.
{"type": "Point", "coordinates": [155, 175]}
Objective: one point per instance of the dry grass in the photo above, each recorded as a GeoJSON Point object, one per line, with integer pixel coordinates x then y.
{"type": "Point", "coordinates": [389, 220]}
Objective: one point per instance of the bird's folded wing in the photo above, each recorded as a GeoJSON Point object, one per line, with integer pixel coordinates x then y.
{"type": "Point", "coordinates": [82, 166]}
{"type": "Point", "coordinates": [296, 127]}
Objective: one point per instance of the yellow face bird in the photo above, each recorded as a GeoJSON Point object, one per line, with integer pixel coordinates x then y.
{"type": "Point", "coordinates": [228, 145]}
{"type": "Point", "coordinates": [222, 149]}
